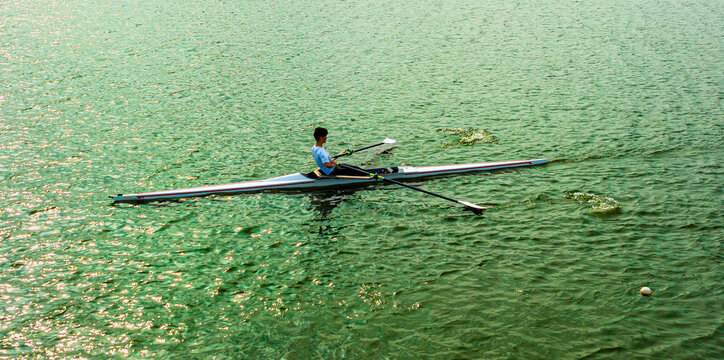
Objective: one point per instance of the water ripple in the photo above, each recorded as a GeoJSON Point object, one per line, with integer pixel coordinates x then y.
{"type": "Point", "coordinates": [100, 98]}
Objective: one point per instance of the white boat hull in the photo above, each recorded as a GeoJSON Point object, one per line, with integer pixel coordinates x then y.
{"type": "Point", "coordinates": [299, 181]}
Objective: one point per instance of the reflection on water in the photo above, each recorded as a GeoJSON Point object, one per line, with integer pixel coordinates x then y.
{"type": "Point", "coordinates": [322, 204]}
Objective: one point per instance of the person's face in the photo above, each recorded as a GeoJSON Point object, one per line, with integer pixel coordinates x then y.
{"type": "Point", "coordinates": [324, 139]}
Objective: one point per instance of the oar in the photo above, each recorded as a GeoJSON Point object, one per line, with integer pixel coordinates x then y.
{"type": "Point", "coordinates": [477, 209]}
{"type": "Point", "coordinates": [350, 152]}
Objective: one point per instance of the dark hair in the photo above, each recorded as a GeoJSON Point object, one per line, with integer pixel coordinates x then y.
{"type": "Point", "coordinates": [319, 133]}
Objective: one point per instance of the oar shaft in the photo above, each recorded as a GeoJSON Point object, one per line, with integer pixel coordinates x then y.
{"type": "Point", "coordinates": [368, 147]}
{"type": "Point", "coordinates": [354, 151]}
{"type": "Point", "coordinates": [418, 189]}
{"type": "Point", "coordinates": [474, 207]}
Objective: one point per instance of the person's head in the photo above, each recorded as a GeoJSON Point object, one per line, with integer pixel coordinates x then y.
{"type": "Point", "coordinates": [319, 133]}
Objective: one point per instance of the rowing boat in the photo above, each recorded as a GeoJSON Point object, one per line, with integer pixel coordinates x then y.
{"type": "Point", "coordinates": [313, 180]}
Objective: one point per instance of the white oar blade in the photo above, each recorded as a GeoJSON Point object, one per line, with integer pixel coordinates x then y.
{"type": "Point", "coordinates": [471, 205]}
{"type": "Point", "coordinates": [387, 145]}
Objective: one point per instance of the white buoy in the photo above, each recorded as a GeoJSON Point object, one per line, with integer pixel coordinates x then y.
{"type": "Point", "coordinates": [645, 291]}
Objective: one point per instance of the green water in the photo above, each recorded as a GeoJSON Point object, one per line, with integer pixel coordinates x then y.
{"type": "Point", "coordinates": [102, 97]}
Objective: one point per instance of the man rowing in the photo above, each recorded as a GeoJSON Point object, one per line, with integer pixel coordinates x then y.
{"type": "Point", "coordinates": [325, 162]}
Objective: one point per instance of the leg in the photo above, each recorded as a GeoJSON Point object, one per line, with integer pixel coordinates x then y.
{"type": "Point", "coordinates": [348, 172]}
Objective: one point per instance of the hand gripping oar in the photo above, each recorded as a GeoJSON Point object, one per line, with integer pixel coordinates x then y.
{"type": "Point", "coordinates": [477, 209]}
{"type": "Point", "coordinates": [350, 152]}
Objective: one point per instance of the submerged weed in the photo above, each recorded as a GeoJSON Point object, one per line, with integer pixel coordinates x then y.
{"type": "Point", "coordinates": [469, 136]}
{"type": "Point", "coordinates": [598, 204]}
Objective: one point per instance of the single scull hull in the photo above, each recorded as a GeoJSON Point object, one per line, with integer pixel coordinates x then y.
{"type": "Point", "coordinates": [299, 181]}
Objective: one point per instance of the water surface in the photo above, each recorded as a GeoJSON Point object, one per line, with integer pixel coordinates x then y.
{"type": "Point", "coordinates": [101, 97]}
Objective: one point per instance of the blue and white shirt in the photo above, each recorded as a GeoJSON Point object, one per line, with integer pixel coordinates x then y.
{"type": "Point", "coordinates": [321, 156]}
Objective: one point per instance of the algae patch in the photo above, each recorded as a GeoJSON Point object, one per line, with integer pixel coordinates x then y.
{"type": "Point", "coordinates": [598, 204]}
{"type": "Point", "coordinates": [469, 137]}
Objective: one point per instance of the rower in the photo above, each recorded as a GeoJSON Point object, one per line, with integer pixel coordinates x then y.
{"type": "Point", "coordinates": [327, 165]}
